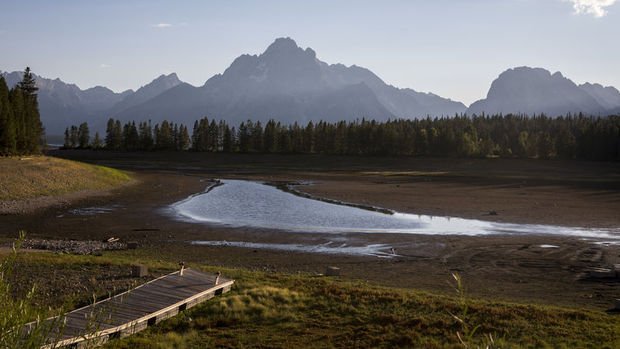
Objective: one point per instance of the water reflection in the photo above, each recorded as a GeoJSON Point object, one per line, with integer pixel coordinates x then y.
{"type": "Point", "coordinates": [241, 203]}
{"type": "Point", "coordinates": [375, 250]}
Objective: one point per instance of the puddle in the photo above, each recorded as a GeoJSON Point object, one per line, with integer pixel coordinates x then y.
{"type": "Point", "coordinates": [376, 250]}
{"type": "Point", "coordinates": [92, 211]}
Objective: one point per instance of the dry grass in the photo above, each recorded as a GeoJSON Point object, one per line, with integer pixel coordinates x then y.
{"type": "Point", "coordinates": [277, 310]}
{"type": "Point", "coordinates": [36, 176]}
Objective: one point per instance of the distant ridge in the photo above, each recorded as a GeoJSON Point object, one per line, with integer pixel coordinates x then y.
{"type": "Point", "coordinates": [63, 104]}
{"type": "Point", "coordinates": [285, 82]}
{"type": "Point", "coordinates": [291, 84]}
{"type": "Point", "coordinates": [146, 92]}
{"type": "Point", "coordinates": [535, 91]}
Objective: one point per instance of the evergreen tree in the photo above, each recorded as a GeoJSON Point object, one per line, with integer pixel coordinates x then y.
{"type": "Point", "coordinates": [8, 143]}
{"type": "Point", "coordinates": [195, 134]}
{"type": "Point", "coordinates": [114, 135]}
{"type": "Point", "coordinates": [595, 138]}
{"type": "Point", "coordinates": [67, 143]}
{"type": "Point", "coordinates": [32, 131]}
{"type": "Point", "coordinates": [184, 139]}
{"type": "Point", "coordinates": [28, 83]}
{"type": "Point", "coordinates": [146, 136]}
{"type": "Point", "coordinates": [73, 136]}
{"type": "Point", "coordinates": [244, 138]}
{"type": "Point", "coordinates": [256, 136]}
{"type": "Point", "coordinates": [83, 135]}
{"type": "Point", "coordinates": [308, 141]}
{"type": "Point", "coordinates": [164, 136]}
{"type": "Point", "coordinates": [176, 135]}
{"type": "Point", "coordinates": [213, 137]}
{"type": "Point", "coordinates": [130, 137]}
{"type": "Point", "coordinates": [96, 144]}
{"type": "Point", "coordinates": [200, 138]}
{"type": "Point", "coordinates": [227, 140]}
{"type": "Point", "coordinates": [109, 133]}
{"type": "Point", "coordinates": [270, 137]}
{"type": "Point", "coordinates": [16, 97]}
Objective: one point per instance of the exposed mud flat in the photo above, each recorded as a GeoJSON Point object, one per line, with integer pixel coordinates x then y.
{"type": "Point", "coordinates": [496, 267]}
{"type": "Point", "coordinates": [25, 206]}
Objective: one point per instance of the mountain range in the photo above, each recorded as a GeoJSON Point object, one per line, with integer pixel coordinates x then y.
{"type": "Point", "coordinates": [535, 90]}
{"type": "Point", "coordinates": [289, 84]}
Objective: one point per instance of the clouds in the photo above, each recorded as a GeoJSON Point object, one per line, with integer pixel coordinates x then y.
{"type": "Point", "coordinates": [104, 66]}
{"type": "Point", "coordinates": [592, 7]}
{"type": "Point", "coordinates": [165, 25]}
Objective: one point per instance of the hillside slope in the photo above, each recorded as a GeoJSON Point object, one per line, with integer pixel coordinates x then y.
{"type": "Point", "coordinates": [26, 179]}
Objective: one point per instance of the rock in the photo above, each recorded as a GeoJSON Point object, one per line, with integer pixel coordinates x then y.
{"type": "Point", "coordinates": [332, 271]}
{"type": "Point", "coordinates": [601, 273]}
{"type": "Point", "coordinates": [139, 270]}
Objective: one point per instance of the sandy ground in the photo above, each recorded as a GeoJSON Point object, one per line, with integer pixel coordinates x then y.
{"type": "Point", "coordinates": [497, 267]}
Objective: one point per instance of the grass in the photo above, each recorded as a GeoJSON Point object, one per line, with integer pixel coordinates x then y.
{"type": "Point", "coordinates": [278, 310]}
{"type": "Point", "coordinates": [36, 176]}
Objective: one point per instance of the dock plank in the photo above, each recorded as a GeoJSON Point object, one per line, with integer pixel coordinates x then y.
{"type": "Point", "coordinates": [130, 312]}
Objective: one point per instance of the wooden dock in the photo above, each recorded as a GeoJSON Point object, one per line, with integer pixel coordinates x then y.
{"type": "Point", "coordinates": [136, 309]}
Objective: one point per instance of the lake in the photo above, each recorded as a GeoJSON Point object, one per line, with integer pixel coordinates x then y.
{"type": "Point", "coordinates": [240, 203]}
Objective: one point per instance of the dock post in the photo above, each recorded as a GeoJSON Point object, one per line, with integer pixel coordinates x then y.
{"type": "Point", "coordinates": [217, 278]}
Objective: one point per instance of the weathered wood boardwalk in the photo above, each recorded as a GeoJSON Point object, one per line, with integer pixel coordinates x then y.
{"type": "Point", "coordinates": [135, 310]}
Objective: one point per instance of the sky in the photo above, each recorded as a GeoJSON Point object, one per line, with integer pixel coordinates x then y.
{"type": "Point", "coordinates": [453, 48]}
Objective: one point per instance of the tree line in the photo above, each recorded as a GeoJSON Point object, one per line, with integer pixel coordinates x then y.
{"type": "Point", "coordinates": [21, 130]}
{"type": "Point", "coordinates": [509, 136]}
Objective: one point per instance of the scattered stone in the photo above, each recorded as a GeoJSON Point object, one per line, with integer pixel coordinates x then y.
{"type": "Point", "coordinates": [601, 273]}
{"type": "Point", "coordinates": [332, 271]}
{"type": "Point", "coordinates": [139, 270]}
{"type": "Point", "coordinates": [73, 246]}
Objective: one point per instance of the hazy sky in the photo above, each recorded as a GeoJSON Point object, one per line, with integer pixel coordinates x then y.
{"type": "Point", "coordinates": [454, 48]}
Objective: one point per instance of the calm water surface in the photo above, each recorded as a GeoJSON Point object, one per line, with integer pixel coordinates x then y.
{"type": "Point", "coordinates": [241, 203]}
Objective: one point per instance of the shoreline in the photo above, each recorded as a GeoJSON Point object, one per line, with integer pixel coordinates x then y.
{"type": "Point", "coordinates": [446, 227]}
{"type": "Point", "coordinates": [31, 205]}
{"type": "Point", "coordinates": [512, 268]}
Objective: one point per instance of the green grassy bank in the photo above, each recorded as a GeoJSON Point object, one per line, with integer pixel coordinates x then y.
{"type": "Point", "coordinates": [276, 310]}
{"type": "Point", "coordinates": [36, 176]}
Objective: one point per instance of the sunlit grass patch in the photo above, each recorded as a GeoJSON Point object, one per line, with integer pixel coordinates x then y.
{"type": "Point", "coordinates": [25, 178]}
